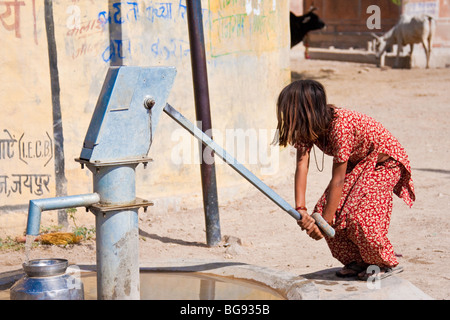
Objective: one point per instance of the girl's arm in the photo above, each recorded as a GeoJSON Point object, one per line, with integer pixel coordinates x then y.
{"type": "Point", "coordinates": [335, 191]}
{"type": "Point", "coordinates": [301, 172]}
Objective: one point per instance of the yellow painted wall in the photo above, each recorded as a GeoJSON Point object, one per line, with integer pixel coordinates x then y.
{"type": "Point", "coordinates": [247, 43]}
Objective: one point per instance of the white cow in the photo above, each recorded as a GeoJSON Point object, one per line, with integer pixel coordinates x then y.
{"type": "Point", "coordinates": [409, 30]}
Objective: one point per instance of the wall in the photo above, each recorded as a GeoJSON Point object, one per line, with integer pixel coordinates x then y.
{"type": "Point", "coordinates": [247, 44]}
{"type": "Point", "coordinates": [440, 11]}
{"type": "Point", "coordinates": [296, 6]}
{"type": "Point", "coordinates": [351, 16]}
{"type": "Point", "coordinates": [346, 21]}
{"type": "Point", "coordinates": [347, 25]}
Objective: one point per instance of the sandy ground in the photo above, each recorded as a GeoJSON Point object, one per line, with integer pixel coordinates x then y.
{"type": "Point", "coordinates": [412, 104]}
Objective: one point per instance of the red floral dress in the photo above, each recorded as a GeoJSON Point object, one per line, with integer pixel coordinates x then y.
{"type": "Point", "coordinates": [363, 215]}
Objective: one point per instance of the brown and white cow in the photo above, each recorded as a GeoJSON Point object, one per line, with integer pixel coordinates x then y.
{"type": "Point", "coordinates": [409, 30]}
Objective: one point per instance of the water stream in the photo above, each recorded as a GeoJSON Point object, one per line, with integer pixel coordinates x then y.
{"type": "Point", "coordinates": [28, 245]}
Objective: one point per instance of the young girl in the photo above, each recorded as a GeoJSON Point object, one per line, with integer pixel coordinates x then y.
{"type": "Point", "coordinates": [369, 165]}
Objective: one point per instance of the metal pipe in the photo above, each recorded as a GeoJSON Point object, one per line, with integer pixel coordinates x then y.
{"type": "Point", "coordinates": [203, 115]}
{"type": "Point", "coordinates": [117, 232]}
{"type": "Point", "coordinates": [37, 206]}
{"type": "Point", "coordinates": [116, 184]}
{"type": "Point", "coordinates": [243, 171]}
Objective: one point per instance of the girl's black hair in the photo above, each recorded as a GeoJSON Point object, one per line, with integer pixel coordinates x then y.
{"type": "Point", "coordinates": [303, 113]}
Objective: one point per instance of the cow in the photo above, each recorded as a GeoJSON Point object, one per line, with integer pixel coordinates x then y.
{"type": "Point", "coordinates": [301, 25]}
{"type": "Point", "coordinates": [408, 30]}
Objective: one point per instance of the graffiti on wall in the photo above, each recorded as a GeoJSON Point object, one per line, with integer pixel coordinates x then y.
{"type": "Point", "coordinates": [127, 15]}
{"type": "Point", "coordinates": [231, 26]}
{"type": "Point", "coordinates": [244, 26]}
{"type": "Point", "coordinates": [148, 14]}
{"type": "Point", "coordinates": [33, 153]}
{"type": "Point", "coordinates": [11, 15]}
{"type": "Point", "coordinates": [426, 7]}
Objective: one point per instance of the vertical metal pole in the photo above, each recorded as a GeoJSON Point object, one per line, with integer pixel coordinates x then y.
{"type": "Point", "coordinates": [60, 177]}
{"type": "Point", "coordinates": [203, 114]}
{"type": "Point", "coordinates": [117, 238]}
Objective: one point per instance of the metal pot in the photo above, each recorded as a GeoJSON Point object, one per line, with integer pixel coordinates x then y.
{"type": "Point", "coordinates": [46, 279]}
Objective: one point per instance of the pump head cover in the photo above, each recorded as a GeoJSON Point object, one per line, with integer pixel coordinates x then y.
{"type": "Point", "coordinates": [127, 113]}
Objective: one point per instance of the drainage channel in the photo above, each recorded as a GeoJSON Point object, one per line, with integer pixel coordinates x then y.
{"type": "Point", "coordinates": [183, 286]}
{"type": "Point", "coordinates": [197, 281]}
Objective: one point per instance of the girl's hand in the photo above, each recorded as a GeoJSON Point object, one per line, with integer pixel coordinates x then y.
{"type": "Point", "coordinates": [309, 224]}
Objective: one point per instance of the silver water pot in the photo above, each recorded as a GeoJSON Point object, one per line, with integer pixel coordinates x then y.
{"type": "Point", "coordinates": [47, 279]}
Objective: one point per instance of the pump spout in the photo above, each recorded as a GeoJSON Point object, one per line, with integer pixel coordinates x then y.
{"type": "Point", "coordinates": [37, 206]}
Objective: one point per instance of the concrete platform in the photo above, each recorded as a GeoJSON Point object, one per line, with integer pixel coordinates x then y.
{"type": "Point", "coordinates": [440, 57]}
{"type": "Point", "coordinates": [331, 287]}
{"type": "Point", "coordinates": [320, 285]}
{"type": "Point", "coordinates": [357, 56]}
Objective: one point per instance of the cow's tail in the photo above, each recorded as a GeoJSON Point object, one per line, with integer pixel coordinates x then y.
{"type": "Point", "coordinates": [431, 25]}
{"type": "Point", "coordinates": [431, 20]}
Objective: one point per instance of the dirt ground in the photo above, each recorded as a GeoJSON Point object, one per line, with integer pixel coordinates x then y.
{"type": "Point", "coordinates": [413, 104]}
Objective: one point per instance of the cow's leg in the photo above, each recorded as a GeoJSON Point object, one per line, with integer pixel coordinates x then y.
{"type": "Point", "coordinates": [427, 53]}
{"type": "Point", "coordinates": [397, 59]}
{"type": "Point", "coordinates": [411, 46]}
{"type": "Point", "coordinates": [381, 60]}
